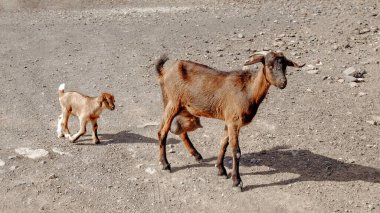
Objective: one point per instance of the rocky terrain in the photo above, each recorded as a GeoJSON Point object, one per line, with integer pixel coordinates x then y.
{"type": "Point", "coordinates": [313, 147]}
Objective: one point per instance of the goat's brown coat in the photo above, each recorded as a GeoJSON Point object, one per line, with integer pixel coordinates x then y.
{"type": "Point", "coordinates": [199, 91]}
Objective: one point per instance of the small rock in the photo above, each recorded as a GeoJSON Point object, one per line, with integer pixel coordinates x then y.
{"type": "Point", "coordinates": [308, 90]}
{"type": "Point", "coordinates": [58, 151]}
{"type": "Point", "coordinates": [349, 71]}
{"type": "Point", "coordinates": [364, 30]}
{"type": "Point", "coordinates": [12, 168]}
{"type": "Point", "coordinates": [171, 151]}
{"type": "Point", "coordinates": [312, 71]}
{"type": "Point", "coordinates": [376, 118]}
{"type": "Point", "coordinates": [240, 35]}
{"type": "Point", "coordinates": [348, 79]}
{"type": "Point", "coordinates": [360, 94]}
{"type": "Point", "coordinates": [12, 157]}
{"type": "Point", "coordinates": [139, 166]}
{"type": "Point", "coordinates": [372, 123]}
{"type": "Point", "coordinates": [148, 124]}
{"type": "Point", "coordinates": [53, 176]}
{"type": "Point", "coordinates": [341, 80]}
{"type": "Point", "coordinates": [150, 170]}
{"type": "Point", "coordinates": [2, 163]}
{"type": "Point", "coordinates": [353, 84]}
{"type": "Point", "coordinates": [308, 67]}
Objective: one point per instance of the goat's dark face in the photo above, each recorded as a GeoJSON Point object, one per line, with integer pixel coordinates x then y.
{"type": "Point", "coordinates": [275, 66]}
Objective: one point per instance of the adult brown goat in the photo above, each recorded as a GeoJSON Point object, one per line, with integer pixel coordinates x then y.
{"type": "Point", "coordinates": [191, 90]}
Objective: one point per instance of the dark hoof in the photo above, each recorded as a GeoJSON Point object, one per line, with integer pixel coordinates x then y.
{"type": "Point", "coordinates": [198, 158]}
{"type": "Point", "coordinates": [166, 167]}
{"type": "Point", "coordinates": [237, 185]}
{"type": "Point", "coordinates": [238, 188]}
{"type": "Point", "coordinates": [222, 172]}
{"type": "Point", "coordinates": [97, 142]}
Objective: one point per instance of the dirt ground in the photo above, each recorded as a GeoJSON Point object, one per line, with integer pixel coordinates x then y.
{"type": "Point", "coordinates": [312, 147]}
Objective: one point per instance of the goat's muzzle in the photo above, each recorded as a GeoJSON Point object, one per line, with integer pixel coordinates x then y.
{"type": "Point", "coordinates": [281, 84]}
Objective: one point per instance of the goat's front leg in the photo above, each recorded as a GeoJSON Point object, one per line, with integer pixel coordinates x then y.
{"type": "Point", "coordinates": [95, 138]}
{"type": "Point", "coordinates": [223, 146]}
{"type": "Point", "coordinates": [189, 146]}
{"type": "Point", "coordinates": [170, 111]}
{"type": "Point", "coordinates": [233, 135]}
{"type": "Point", "coordinates": [81, 132]}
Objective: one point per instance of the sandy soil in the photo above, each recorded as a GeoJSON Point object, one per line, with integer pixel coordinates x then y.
{"type": "Point", "coordinates": [313, 147]}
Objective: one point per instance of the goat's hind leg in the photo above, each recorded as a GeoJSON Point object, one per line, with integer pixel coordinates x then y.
{"type": "Point", "coordinates": [189, 146]}
{"type": "Point", "coordinates": [59, 126]}
{"type": "Point", "coordinates": [170, 111]}
{"type": "Point", "coordinates": [233, 135]}
{"type": "Point", "coordinates": [223, 146]}
{"type": "Point", "coordinates": [81, 132]}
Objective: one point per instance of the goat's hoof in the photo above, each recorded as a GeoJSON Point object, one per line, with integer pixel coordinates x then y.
{"type": "Point", "coordinates": [237, 185]}
{"type": "Point", "coordinates": [97, 142]}
{"type": "Point", "coordinates": [166, 167]}
{"type": "Point", "coordinates": [198, 157]}
{"type": "Point", "coordinates": [222, 172]}
{"type": "Point", "coordinates": [60, 135]}
{"type": "Point", "coordinates": [238, 188]}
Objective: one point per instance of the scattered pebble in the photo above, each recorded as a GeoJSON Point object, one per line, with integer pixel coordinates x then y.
{"type": "Point", "coordinates": [58, 151]}
{"type": "Point", "coordinates": [372, 122]}
{"type": "Point", "coordinates": [148, 124]}
{"type": "Point", "coordinates": [360, 94]}
{"type": "Point", "coordinates": [376, 118]}
{"type": "Point", "coordinates": [53, 176]}
{"type": "Point", "coordinates": [139, 166]}
{"type": "Point", "coordinates": [313, 71]}
{"type": "Point", "coordinates": [348, 79]}
{"type": "Point", "coordinates": [12, 168]}
{"type": "Point", "coordinates": [2, 163]}
{"type": "Point", "coordinates": [353, 84]}
{"type": "Point", "coordinates": [150, 170]}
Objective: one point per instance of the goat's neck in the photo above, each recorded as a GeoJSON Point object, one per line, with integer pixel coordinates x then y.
{"type": "Point", "coordinates": [97, 107]}
{"type": "Point", "coordinates": [260, 87]}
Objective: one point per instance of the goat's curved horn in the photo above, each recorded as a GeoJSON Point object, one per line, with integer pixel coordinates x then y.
{"type": "Point", "coordinates": [260, 53]}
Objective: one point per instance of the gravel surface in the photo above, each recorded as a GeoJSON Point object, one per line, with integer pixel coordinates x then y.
{"type": "Point", "coordinates": [313, 147]}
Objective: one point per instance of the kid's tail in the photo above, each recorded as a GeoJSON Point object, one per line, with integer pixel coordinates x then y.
{"type": "Point", "coordinates": [61, 89]}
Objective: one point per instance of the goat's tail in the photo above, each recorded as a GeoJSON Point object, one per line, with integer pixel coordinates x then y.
{"type": "Point", "coordinates": [160, 64]}
{"type": "Point", "coordinates": [61, 89]}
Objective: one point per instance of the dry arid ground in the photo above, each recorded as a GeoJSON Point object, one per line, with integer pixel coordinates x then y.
{"type": "Point", "coordinates": [313, 147]}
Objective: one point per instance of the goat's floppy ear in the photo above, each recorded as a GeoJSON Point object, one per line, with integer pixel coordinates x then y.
{"type": "Point", "coordinates": [101, 99]}
{"type": "Point", "coordinates": [255, 58]}
{"type": "Point", "coordinates": [293, 64]}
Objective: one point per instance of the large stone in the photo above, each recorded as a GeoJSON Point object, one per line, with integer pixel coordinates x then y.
{"type": "Point", "coordinates": [32, 153]}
